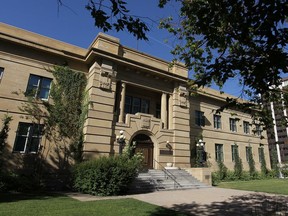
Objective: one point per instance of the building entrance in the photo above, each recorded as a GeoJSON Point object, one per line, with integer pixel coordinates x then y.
{"type": "Point", "coordinates": [145, 145]}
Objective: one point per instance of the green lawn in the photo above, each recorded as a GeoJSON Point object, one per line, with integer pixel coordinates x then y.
{"type": "Point", "coordinates": [58, 205]}
{"type": "Point", "coordinates": [276, 186]}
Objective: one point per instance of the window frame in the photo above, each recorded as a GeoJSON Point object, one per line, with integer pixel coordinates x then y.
{"type": "Point", "coordinates": [128, 104]}
{"type": "Point", "coordinates": [246, 127]}
{"type": "Point", "coordinates": [219, 152]}
{"type": "Point", "coordinates": [260, 153]}
{"type": "Point", "coordinates": [248, 148]}
{"type": "Point", "coordinates": [258, 130]}
{"type": "Point", "coordinates": [158, 110]}
{"type": "Point", "coordinates": [1, 73]}
{"type": "Point", "coordinates": [131, 106]}
{"type": "Point", "coordinates": [233, 124]}
{"type": "Point", "coordinates": [136, 105]}
{"type": "Point", "coordinates": [199, 118]}
{"type": "Point", "coordinates": [217, 121]}
{"type": "Point", "coordinates": [233, 149]}
{"type": "Point", "coordinates": [144, 105]}
{"type": "Point", "coordinates": [36, 90]}
{"type": "Point", "coordinates": [29, 137]}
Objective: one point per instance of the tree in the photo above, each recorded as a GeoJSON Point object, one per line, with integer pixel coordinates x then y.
{"type": "Point", "coordinates": [238, 38]}
{"type": "Point", "coordinates": [217, 39]}
{"type": "Point", "coordinates": [220, 40]}
{"type": "Point", "coordinates": [238, 166]}
{"type": "Point", "coordinates": [113, 14]}
{"type": "Point", "coordinates": [251, 162]}
{"type": "Point", "coordinates": [264, 169]}
{"type": "Point", "coordinates": [64, 115]}
{"type": "Point", "coordinates": [4, 135]}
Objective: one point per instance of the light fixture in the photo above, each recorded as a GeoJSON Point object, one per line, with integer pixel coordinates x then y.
{"type": "Point", "coordinates": [168, 145]}
{"type": "Point", "coordinates": [121, 140]}
{"type": "Point", "coordinates": [201, 154]}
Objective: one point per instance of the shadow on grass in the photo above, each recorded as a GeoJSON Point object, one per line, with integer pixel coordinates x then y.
{"type": "Point", "coordinates": [15, 196]}
{"type": "Point", "coordinates": [160, 211]}
{"type": "Point", "coordinates": [252, 204]}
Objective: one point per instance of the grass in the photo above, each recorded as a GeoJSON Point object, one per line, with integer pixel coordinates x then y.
{"type": "Point", "coordinates": [56, 205]}
{"type": "Point", "coordinates": [275, 186]}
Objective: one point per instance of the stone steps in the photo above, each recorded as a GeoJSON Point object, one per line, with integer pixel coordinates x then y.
{"type": "Point", "coordinates": [157, 180]}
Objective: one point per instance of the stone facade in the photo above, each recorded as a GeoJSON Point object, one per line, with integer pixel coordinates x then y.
{"type": "Point", "coordinates": [142, 95]}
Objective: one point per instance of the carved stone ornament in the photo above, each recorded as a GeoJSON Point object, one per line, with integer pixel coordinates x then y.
{"type": "Point", "coordinates": [145, 123]}
{"type": "Point", "coordinates": [183, 96]}
{"type": "Point", "coordinates": [106, 76]}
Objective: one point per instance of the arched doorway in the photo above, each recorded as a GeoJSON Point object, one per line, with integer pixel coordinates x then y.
{"type": "Point", "coordinates": [145, 145]}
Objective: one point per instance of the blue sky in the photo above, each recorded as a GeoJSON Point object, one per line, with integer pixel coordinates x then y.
{"type": "Point", "coordinates": [73, 24]}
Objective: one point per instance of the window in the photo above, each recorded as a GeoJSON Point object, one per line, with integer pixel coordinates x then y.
{"type": "Point", "coordinates": [199, 118]}
{"type": "Point", "coordinates": [28, 138]}
{"type": "Point", "coordinates": [258, 130]}
{"type": "Point", "coordinates": [261, 154]}
{"type": "Point", "coordinates": [246, 127]}
{"type": "Point", "coordinates": [145, 106]}
{"type": "Point", "coordinates": [1, 73]}
{"type": "Point", "coordinates": [38, 87]}
{"type": "Point", "coordinates": [158, 110]}
{"type": "Point", "coordinates": [233, 126]}
{"type": "Point", "coordinates": [234, 149]}
{"type": "Point", "coordinates": [219, 152]}
{"type": "Point", "coordinates": [217, 121]}
{"type": "Point", "coordinates": [128, 104]}
{"type": "Point", "coordinates": [134, 105]}
{"type": "Point", "coordinates": [248, 153]}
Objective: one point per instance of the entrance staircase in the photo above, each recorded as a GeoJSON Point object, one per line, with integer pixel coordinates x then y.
{"type": "Point", "coordinates": [159, 180]}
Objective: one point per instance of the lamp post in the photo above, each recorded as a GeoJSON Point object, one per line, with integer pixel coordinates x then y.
{"type": "Point", "coordinates": [201, 152]}
{"type": "Point", "coordinates": [121, 140]}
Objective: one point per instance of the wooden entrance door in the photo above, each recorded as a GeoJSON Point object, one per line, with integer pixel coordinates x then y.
{"type": "Point", "coordinates": [147, 151]}
{"type": "Point", "coordinates": [145, 146]}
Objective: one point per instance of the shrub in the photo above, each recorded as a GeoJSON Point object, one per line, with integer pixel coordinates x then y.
{"type": "Point", "coordinates": [19, 182]}
{"type": "Point", "coordinates": [222, 170]}
{"type": "Point", "coordinates": [232, 176]}
{"type": "Point", "coordinates": [215, 178]}
{"type": "Point", "coordinates": [106, 176]}
{"type": "Point", "coordinates": [245, 176]}
{"type": "Point", "coordinates": [238, 166]}
{"type": "Point", "coordinates": [284, 170]}
{"type": "Point", "coordinates": [251, 162]}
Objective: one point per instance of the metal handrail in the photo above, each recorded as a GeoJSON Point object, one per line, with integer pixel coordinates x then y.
{"type": "Point", "coordinates": [169, 174]}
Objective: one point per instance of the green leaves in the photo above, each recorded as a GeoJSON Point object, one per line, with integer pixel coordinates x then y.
{"type": "Point", "coordinates": [239, 38]}
{"type": "Point", "coordinates": [114, 14]}
{"type": "Point", "coordinates": [64, 114]}
{"type": "Point", "coordinates": [68, 110]}
{"type": "Point", "coordinates": [234, 39]}
{"type": "Point", "coordinates": [106, 176]}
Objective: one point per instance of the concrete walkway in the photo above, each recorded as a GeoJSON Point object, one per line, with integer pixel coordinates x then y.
{"type": "Point", "coordinates": [209, 201]}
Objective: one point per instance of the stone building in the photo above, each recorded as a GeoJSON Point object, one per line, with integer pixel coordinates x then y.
{"type": "Point", "coordinates": [141, 95]}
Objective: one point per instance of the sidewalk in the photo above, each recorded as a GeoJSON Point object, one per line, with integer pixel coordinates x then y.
{"type": "Point", "coordinates": [209, 201]}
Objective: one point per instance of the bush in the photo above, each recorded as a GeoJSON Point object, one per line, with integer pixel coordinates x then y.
{"type": "Point", "coordinates": [19, 183]}
{"type": "Point", "coordinates": [106, 176]}
{"type": "Point", "coordinates": [215, 178]}
{"type": "Point", "coordinates": [284, 170]}
{"type": "Point", "coordinates": [222, 170]}
{"type": "Point", "coordinates": [238, 166]}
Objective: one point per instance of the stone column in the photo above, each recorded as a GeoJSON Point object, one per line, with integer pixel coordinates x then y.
{"type": "Point", "coordinates": [164, 110]}
{"type": "Point", "coordinates": [170, 112]}
{"type": "Point", "coordinates": [122, 102]}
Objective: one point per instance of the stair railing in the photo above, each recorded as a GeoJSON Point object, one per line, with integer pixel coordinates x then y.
{"type": "Point", "coordinates": [169, 174]}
